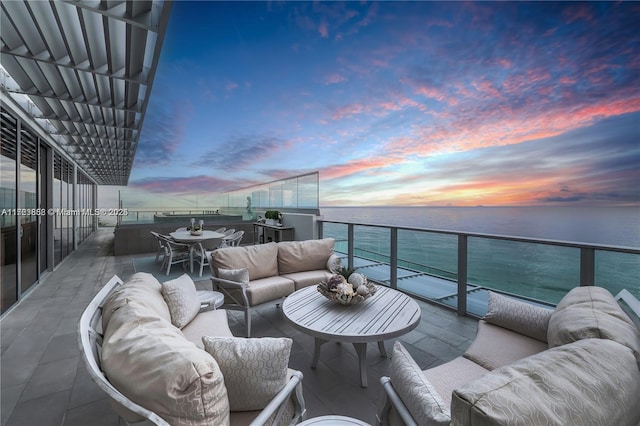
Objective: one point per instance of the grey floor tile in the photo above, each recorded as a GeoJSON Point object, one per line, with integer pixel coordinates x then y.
{"type": "Point", "coordinates": [17, 370]}
{"type": "Point", "coordinates": [9, 397]}
{"type": "Point", "coordinates": [48, 410]}
{"type": "Point", "coordinates": [60, 348]}
{"type": "Point", "coordinates": [97, 413]}
{"type": "Point", "coordinates": [52, 377]}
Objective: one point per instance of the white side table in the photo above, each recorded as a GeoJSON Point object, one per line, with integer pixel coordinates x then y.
{"type": "Point", "coordinates": [210, 298]}
{"type": "Point", "coordinates": [333, 420]}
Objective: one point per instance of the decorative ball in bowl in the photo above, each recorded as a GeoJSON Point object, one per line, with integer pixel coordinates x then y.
{"type": "Point", "coordinates": [345, 291]}
{"type": "Point", "coordinates": [196, 232]}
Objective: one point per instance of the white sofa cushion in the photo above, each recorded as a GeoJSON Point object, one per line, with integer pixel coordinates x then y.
{"type": "Point", "coordinates": [240, 275]}
{"type": "Point", "coordinates": [521, 317]}
{"type": "Point", "coordinates": [149, 360]}
{"type": "Point", "coordinates": [143, 289]}
{"type": "Point", "coordinates": [334, 263]}
{"type": "Point", "coordinates": [182, 299]}
{"type": "Point", "coordinates": [254, 370]}
{"type": "Point", "coordinates": [309, 255]}
{"type": "Point", "coordinates": [496, 346]}
{"type": "Point", "coordinates": [268, 289]}
{"type": "Point", "coordinates": [308, 278]}
{"type": "Point", "coordinates": [261, 260]}
{"type": "Point", "coordinates": [207, 323]}
{"type": "Point", "coordinates": [453, 374]}
{"type": "Point", "coordinates": [592, 381]}
{"type": "Point", "coordinates": [592, 312]}
{"type": "Point", "coordinates": [419, 396]}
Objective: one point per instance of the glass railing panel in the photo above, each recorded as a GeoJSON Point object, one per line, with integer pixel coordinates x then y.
{"type": "Point", "coordinates": [339, 232]}
{"type": "Point", "coordinates": [537, 271]}
{"type": "Point", "coordinates": [534, 271]}
{"type": "Point", "coordinates": [427, 264]}
{"type": "Point", "coordinates": [372, 252]}
{"type": "Point", "coordinates": [617, 271]}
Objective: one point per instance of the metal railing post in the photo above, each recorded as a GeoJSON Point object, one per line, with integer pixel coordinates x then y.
{"type": "Point", "coordinates": [587, 266]}
{"type": "Point", "coordinates": [462, 275]}
{"type": "Point", "coordinates": [393, 260]}
{"type": "Point", "coordinates": [350, 245]}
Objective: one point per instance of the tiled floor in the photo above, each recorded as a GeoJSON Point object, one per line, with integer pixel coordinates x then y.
{"type": "Point", "coordinates": [44, 381]}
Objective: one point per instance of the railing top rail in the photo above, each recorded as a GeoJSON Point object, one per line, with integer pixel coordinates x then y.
{"type": "Point", "coordinates": [619, 249]}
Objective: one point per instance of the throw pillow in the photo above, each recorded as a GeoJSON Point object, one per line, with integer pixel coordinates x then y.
{"type": "Point", "coordinates": [521, 317]}
{"type": "Point", "coordinates": [254, 370]}
{"type": "Point", "coordinates": [236, 275]}
{"type": "Point", "coordinates": [182, 299]}
{"type": "Point", "coordinates": [592, 312]}
{"type": "Point", "coordinates": [419, 396]}
{"type": "Point", "coordinates": [334, 264]}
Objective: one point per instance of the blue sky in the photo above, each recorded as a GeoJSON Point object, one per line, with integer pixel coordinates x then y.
{"type": "Point", "coordinates": [399, 103]}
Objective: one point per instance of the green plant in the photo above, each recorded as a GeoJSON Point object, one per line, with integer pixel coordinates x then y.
{"type": "Point", "coordinates": [272, 214]}
{"type": "Point", "coordinates": [346, 272]}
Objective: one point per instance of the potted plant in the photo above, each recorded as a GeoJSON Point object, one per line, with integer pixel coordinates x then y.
{"type": "Point", "coordinates": [272, 216]}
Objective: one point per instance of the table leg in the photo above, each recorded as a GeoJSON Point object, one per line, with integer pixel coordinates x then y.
{"type": "Point", "coordinates": [361, 350]}
{"type": "Point", "coordinates": [316, 351]}
{"type": "Point", "coordinates": [383, 350]}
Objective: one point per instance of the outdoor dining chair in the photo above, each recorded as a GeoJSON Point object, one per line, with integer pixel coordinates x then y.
{"type": "Point", "coordinates": [202, 252]}
{"type": "Point", "coordinates": [233, 240]}
{"type": "Point", "coordinates": [175, 253]}
{"type": "Point", "coordinates": [161, 245]}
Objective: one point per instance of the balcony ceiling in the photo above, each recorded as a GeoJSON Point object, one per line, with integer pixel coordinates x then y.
{"type": "Point", "coordinates": [88, 67]}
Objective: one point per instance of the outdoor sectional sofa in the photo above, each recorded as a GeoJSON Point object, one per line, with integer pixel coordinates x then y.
{"type": "Point", "coordinates": [256, 274]}
{"type": "Point", "coordinates": [159, 357]}
{"type": "Point", "coordinates": [577, 364]}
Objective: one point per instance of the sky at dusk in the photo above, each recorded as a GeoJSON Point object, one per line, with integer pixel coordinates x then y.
{"type": "Point", "coordinates": [399, 103]}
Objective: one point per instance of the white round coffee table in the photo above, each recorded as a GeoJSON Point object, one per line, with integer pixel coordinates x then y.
{"type": "Point", "coordinates": [388, 314]}
{"type": "Point", "coordinates": [333, 420]}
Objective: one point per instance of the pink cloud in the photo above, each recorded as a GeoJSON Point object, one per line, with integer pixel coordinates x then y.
{"type": "Point", "coordinates": [179, 185]}
{"type": "Point", "coordinates": [334, 78]}
{"type": "Point", "coordinates": [347, 111]}
{"type": "Point", "coordinates": [497, 127]}
{"type": "Point", "coordinates": [358, 166]}
{"type": "Point", "coordinates": [323, 29]}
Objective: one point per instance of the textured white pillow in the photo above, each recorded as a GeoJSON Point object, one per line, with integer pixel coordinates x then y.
{"type": "Point", "coordinates": [254, 370]}
{"type": "Point", "coordinates": [182, 299]}
{"type": "Point", "coordinates": [419, 396]}
{"type": "Point", "coordinates": [521, 317]}
{"type": "Point", "coordinates": [237, 275]}
{"type": "Point", "coordinates": [334, 263]}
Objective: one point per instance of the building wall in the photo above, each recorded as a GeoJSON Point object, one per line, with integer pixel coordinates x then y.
{"type": "Point", "coordinates": [42, 193]}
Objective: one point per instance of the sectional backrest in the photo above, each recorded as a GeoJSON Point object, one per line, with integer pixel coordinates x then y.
{"type": "Point", "coordinates": [300, 256]}
{"type": "Point", "coordinates": [261, 260]}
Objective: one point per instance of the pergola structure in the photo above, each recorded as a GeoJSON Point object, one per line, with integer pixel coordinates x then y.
{"type": "Point", "coordinates": [83, 71]}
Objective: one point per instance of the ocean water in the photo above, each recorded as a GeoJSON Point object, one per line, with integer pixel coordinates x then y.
{"type": "Point", "coordinates": [617, 226]}
{"type": "Point", "coordinates": [540, 272]}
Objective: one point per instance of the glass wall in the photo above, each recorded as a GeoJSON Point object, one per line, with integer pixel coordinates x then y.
{"type": "Point", "coordinates": [8, 185]}
{"type": "Point", "coordinates": [299, 193]}
{"type": "Point", "coordinates": [57, 206]}
{"type": "Point", "coordinates": [28, 203]}
{"type": "Point", "coordinates": [33, 200]}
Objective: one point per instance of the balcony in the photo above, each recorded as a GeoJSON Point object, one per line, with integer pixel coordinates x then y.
{"type": "Point", "coordinates": [44, 381]}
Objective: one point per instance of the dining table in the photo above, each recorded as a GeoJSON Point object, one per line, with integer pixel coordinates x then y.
{"type": "Point", "coordinates": [192, 239]}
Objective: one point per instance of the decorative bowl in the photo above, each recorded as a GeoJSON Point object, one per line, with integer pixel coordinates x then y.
{"type": "Point", "coordinates": [196, 233]}
{"type": "Point", "coordinates": [338, 290]}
